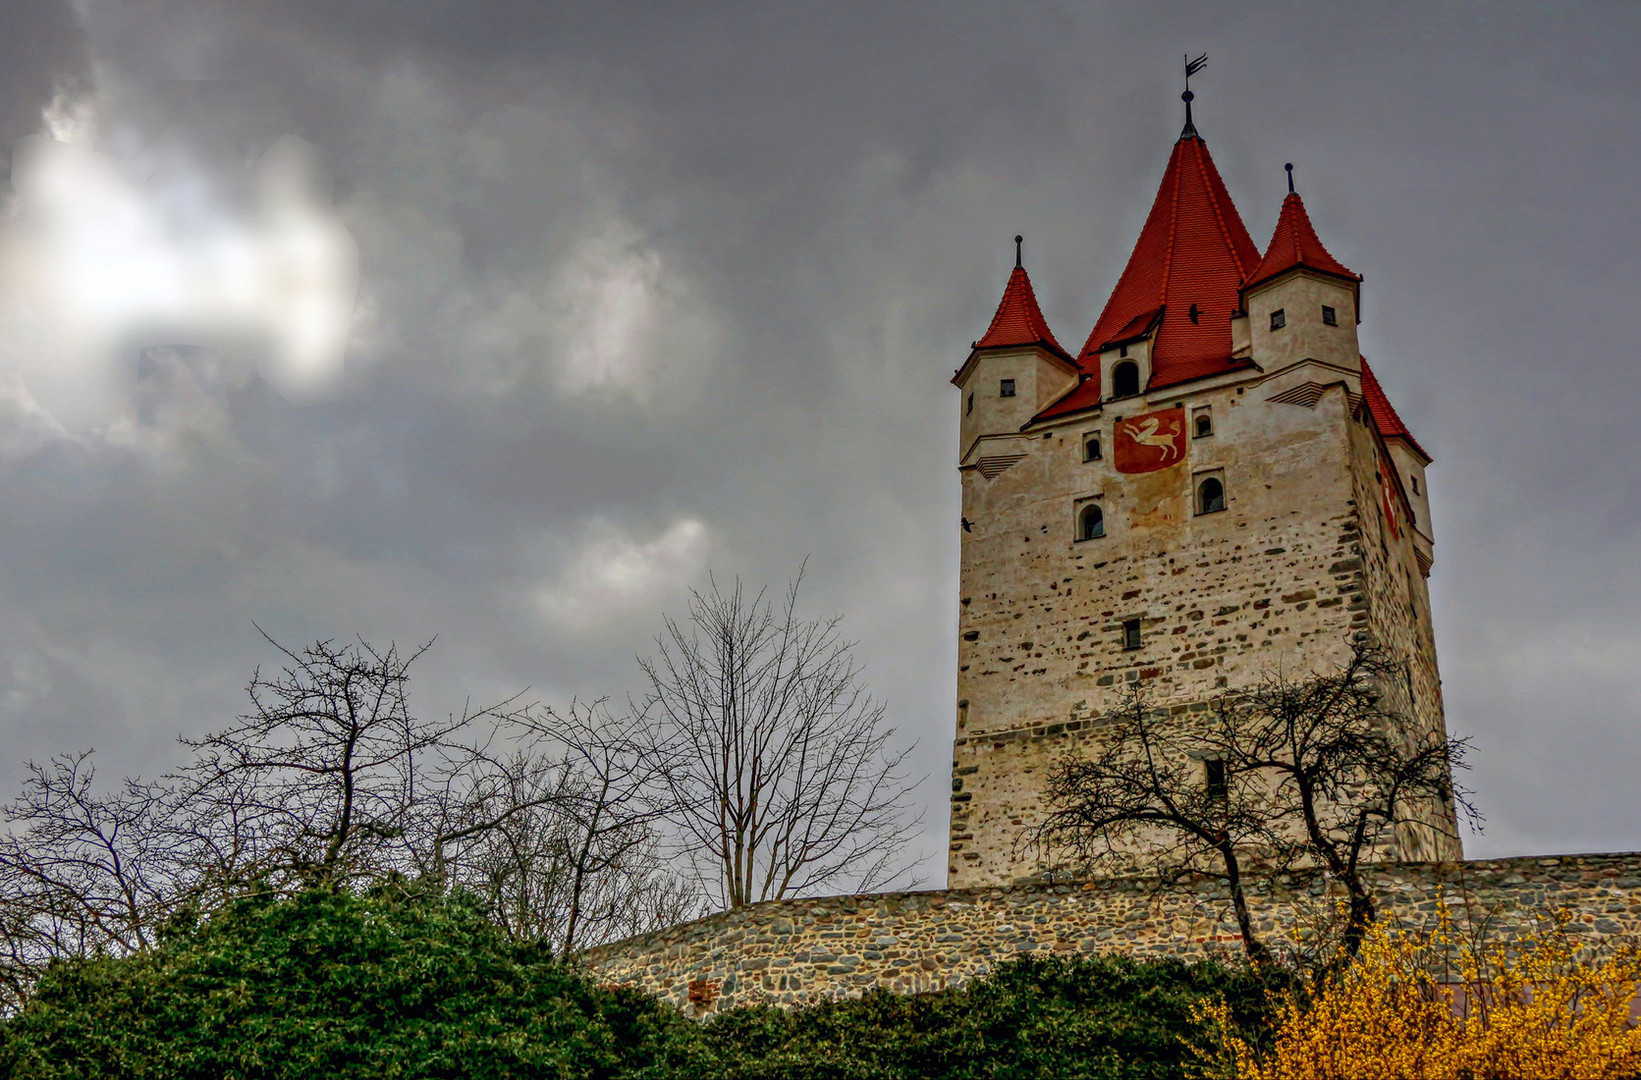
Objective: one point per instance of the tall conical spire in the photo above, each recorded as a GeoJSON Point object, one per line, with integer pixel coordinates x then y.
{"type": "Point", "coordinates": [1192, 254]}
{"type": "Point", "coordinates": [1295, 243]}
{"type": "Point", "coordinates": [1019, 321]}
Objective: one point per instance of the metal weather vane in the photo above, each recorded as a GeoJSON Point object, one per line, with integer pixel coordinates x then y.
{"type": "Point", "coordinates": [1194, 66]}
{"type": "Point", "coordinates": [1191, 68]}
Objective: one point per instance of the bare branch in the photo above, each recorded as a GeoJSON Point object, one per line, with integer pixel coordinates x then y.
{"type": "Point", "coordinates": [778, 762]}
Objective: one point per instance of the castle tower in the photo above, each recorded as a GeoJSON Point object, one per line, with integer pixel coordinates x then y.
{"type": "Point", "coordinates": [1215, 487]}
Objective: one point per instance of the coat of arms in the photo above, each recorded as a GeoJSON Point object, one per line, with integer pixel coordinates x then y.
{"type": "Point", "coordinates": [1151, 441]}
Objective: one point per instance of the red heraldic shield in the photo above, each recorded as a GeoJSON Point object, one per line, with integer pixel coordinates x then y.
{"type": "Point", "coordinates": [1387, 495]}
{"type": "Point", "coordinates": [1151, 442]}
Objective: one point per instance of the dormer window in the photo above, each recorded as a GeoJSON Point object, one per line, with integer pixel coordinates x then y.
{"type": "Point", "coordinates": [1090, 522]}
{"type": "Point", "coordinates": [1279, 319]}
{"type": "Point", "coordinates": [1091, 447]}
{"type": "Point", "coordinates": [1329, 316]}
{"type": "Point", "coordinates": [1006, 389]}
{"type": "Point", "coordinates": [1125, 379]}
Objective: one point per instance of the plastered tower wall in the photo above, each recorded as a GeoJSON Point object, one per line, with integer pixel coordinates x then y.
{"type": "Point", "coordinates": [1322, 537]}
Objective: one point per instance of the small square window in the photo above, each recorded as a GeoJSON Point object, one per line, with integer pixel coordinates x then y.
{"type": "Point", "coordinates": [1329, 316]}
{"type": "Point", "coordinates": [1007, 389]}
{"type": "Point", "coordinates": [1131, 634]}
{"type": "Point", "coordinates": [1091, 448]}
{"type": "Point", "coordinates": [1279, 319]}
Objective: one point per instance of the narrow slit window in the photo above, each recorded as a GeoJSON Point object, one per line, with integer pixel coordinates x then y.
{"type": "Point", "coordinates": [1006, 389]}
{"type": "Point", "coordinates": [971, 405]}
{"type": "Point", "coordinates": [1329, 316]}
{"type": "Point", "coordinates": [1210, 495]}
{"type": "Point", "coordinates": [1090, 522]}
{"type": "Point", "coordinates": [1214, 780]}
{"type": "Point", "coordinates": [1131, 634]}
{"type": "Point", "coordinates": [1091, 448]}
{"type": "Point", "coordinates": [1279, 319]}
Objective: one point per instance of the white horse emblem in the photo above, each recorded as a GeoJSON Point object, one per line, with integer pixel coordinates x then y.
{"type": "Point", "coordinates": [1150, 432]}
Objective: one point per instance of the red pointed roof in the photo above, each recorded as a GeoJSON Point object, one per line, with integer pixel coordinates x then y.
{"type": "Point", "coordinates": [1295, 243]}
{"type": "Point", "coordinates": [1193, 251]}
{"type": "Point", "coordinates": [1019, 321]}
{"type": "Point", "coordinates": [1384, 414]}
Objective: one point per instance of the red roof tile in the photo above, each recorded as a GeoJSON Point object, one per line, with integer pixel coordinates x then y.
{"type": "Point", "coordinates": [1191, 256]}
{"type": "Point", "coordinates": [1085, 395]}
{"type": "Point", "coordinates": [1384, 414]}
{"type": "Point", "coordinates": [1019, 321]}
{"type": "Point", "coordinates": [1294, 243]}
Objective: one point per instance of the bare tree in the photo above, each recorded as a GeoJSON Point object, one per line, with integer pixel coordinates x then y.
{"type": "Point", "coordinates": [82, 870]}
{"type": "Point", "coordinates": [586, 864]}
{"type": "Point", "coordinates": [779, 764]}
{"type": "Point", "coordinates": [1153, 793]}
{"type": "Point", "coordinates": [1315, 771]}
{"type": "Point", "coordinates": [330, 775]}
{"type": "Point", "coordinates": [331, 779]}
{"type": "Point", "coordinates": [1347, 773]}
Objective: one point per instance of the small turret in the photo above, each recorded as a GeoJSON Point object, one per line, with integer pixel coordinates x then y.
{"type": "Point", "coordinates": [1015, 369]}
{"type": "Point", "coordinates": [1301, 303]}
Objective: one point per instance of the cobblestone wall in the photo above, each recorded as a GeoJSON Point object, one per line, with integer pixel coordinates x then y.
{"type": "Point", "coordinates": [785, 952]}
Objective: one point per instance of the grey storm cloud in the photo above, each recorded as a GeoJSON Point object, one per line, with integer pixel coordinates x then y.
{"type": "Point", "coordinates": [648, 292]}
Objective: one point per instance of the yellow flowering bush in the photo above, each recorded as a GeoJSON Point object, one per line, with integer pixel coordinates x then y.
{"type": "Point", "coordinates": [1436, 1005]}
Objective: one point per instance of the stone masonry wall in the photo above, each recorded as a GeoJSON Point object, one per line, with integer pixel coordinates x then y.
{"type": "Point", "coordinates": [1277, 581]}
{"type": "Point", "coordinates": [788, 952]}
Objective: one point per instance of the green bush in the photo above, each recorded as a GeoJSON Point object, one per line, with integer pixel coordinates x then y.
{"type": "Point", "coordinates": [334, 985]}
{"type": "Point", "coordinates": [1033, 1017]}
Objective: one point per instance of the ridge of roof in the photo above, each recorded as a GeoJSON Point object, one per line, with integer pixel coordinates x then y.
{"type": "Point", "coordinates": [1019, 321]}
{"type": "Point", "coordinates": [1294, 243]}
{"type": "Point", "coordinates": [1190, 260]}
{"type": "Point", "coordinates": [1384, 414]}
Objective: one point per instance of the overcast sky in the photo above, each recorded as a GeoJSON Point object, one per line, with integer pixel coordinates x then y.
{"type": "Point", "coordinates": [508, 322]}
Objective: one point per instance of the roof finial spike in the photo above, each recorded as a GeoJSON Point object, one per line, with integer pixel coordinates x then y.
{"type": "Point", "coordinates": [1191, 68]}
{"type": "Point", "coordinates": [1018, 241]}
{"type": "Point", "coordinates": [1289, 167]}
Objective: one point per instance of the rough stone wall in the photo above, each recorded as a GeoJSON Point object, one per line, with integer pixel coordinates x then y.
{"type": "Point", "coordinates": [1393, 604]}
{"type": "Point", "coordinates": [787, 952]}
{"type": "Point", "coordinates": [1272, 581]}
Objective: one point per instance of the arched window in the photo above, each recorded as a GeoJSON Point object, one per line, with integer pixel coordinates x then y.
{"type": "Point", "coordinates": [1125, 379]}
{"type": "Point", "coordinates": [1210, 496]}
{"type": "Point", "coordinates": [1090, 523]}
{"type": "Point", "coordinates": [1205, 425]}
{"type": "Point", "coordinates": [1091, 448]}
